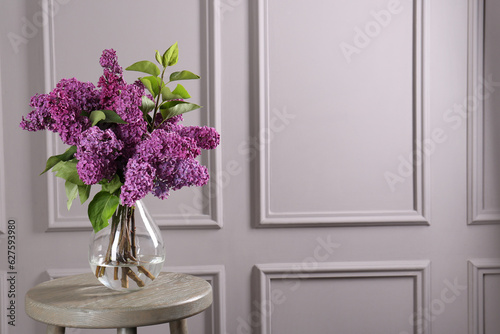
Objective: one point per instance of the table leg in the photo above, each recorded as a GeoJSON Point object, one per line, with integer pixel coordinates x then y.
{"type": "Point", "coordinates": [131, 330]}
{"type": "Point", "coordinates": [53, 329]}
{"type": "Point", "coordinates": [179, 327]}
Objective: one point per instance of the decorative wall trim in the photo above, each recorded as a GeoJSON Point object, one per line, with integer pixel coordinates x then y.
{"type": "Point", "coordinates": [4, 301]}
{"type": "Point", "coordinates": [210, 44]}
{"type": "Point", "coordinates": [214, 274]}
{"type": "Point", "coordinates": [49, 57]}
{"type": "Point", "coordinates": [477, 214]}
{"type": "Point", "coordinates": [418, 270]}
{"type": "Point", "coordinates": [3, 214]}
{"type": "Point", "coordinates": [419, 215]}
{"type": "Point", "coordinates": [478, 269]}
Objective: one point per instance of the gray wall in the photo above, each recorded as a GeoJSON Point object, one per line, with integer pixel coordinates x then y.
{"type": "Point", "coordinates": [356, 188]}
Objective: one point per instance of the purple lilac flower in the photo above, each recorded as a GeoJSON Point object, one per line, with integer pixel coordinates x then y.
{"type": "Point", "coordinates": [109, 61]}
{"type": "Point", "coordinates": [126, 105]}
{"type": "Point", "coordinates": [39, 118]}
{"type": "Point", "coordinates": [163, 145]}
{"type": "Point", "coordinates": [125, 100]}
{"type": "Point", "coordinates": [174, 174]}
{"type": "Point", "coordinates": [139, 176]}
{"type": "Point", "coordinates": [111, 82]}
{"type": "Point", "coordinates": [170, 124]}
{"type": "Point", "coordinates": [131, 135]}
{"type": "Point", "coordinates": [97, 152]}
{"type": "Point", "coordinates": [206, 138]}
{"type": "Point", "coordinates": [161, 189]}
{"type": "Point", "coordinates": [175, 120]}
{"type": "Point", "coordinates": [61, 110]}
{"type": "Point", "coordinates": [161, 153]}
{"type": "Point", "coordinates": [178, 173]}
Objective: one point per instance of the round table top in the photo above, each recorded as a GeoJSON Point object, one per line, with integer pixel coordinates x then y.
{"type": "Point", "coordinates": [81, 301]}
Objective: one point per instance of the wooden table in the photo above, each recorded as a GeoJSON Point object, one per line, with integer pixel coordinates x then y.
{"type": "Point", "coordinates": [81, 301]}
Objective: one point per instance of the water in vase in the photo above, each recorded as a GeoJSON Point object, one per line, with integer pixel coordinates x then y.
{"type": "Point", "coordinates": [128, 277]}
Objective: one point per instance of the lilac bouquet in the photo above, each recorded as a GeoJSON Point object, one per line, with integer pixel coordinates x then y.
{"type": "Point", "coordinates": [124, 137]}
{"type": "Point", "coordinates": [127, 138]}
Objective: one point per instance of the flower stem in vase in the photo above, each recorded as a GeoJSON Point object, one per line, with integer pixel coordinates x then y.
{"type": "Point", "coordinates": [122, 249]}
{"type": "Point", "coordinates": [135, 278]}
{"type": "Point", "coordinates": [124, 278]}
{"type": "Point", "coordinates": [100, 270]}
{"type": "Point", "coordinates": [145, 272]}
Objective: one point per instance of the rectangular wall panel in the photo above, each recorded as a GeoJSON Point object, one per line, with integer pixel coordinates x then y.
{"type": "Point", "coordinates": [3, 214]}
{"type": "Point", "coordinates": [484, 294]}
{"type": "Point", "coordinates": [66, 56]}
{"type": "Point", "coordinates": [386, 295]}
{"type": "Point", "coordinates": [483, 100]}
{"type": "Point", "coordinates": [332, 157]}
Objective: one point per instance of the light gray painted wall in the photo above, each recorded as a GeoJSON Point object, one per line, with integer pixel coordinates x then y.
{"type": "Point", "coordinates": [356, 187]}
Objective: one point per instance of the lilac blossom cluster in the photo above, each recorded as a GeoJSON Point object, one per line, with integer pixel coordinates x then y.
{"type": "Point", "coordinates": [154, 160]}
{"type": "Point", "coordinates": [162, 152]}
{"type": "Point", "coordinates": [97, 152]}
{"type": "Point", "coordinates": [61, 110]}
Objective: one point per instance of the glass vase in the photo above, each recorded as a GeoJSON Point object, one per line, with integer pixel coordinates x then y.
{"type": "Point", "coordinates": [129, 253]}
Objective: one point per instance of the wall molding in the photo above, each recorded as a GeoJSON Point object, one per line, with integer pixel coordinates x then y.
{"type": "Point", "coordinates": [3, 206]}
{"type": "Point", "coordinates": [419, 215]}
{"type": "Point", "coordinates": [418, 270]}
{"type": "Point", "coordinates": [478, 269]}
{"type": "Point", "coordinates": [214, 274]}
{"type": "Point", "coordinates": [477, 214]}
{"type": "Point", "coordinates": [4, 302]}
{"type": "Point", "coordinates": [212, 192]}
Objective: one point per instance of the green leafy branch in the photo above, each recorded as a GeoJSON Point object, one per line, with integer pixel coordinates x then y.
{"type": "Point", "coordinates": [165, 101]}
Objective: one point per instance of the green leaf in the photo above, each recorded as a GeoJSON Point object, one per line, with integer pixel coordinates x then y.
{"type": "Point", "coordinates": [71, 192]}
{"type": "Point", "coordinates": [173, 108]}
{"type": "Point", "coordinates": [55, 159]}
{"type": "Point", "coordinates": [171, 56]}
{"type": "Point", "coordinates": [144, 66]}
{"type": "Point", "coordinates": [101, 209]}
{"type": "Point", "coordinates": [84, 192]}
{"type": "Point", "coordinates": [96, 116]}
{"type": "Point", "coordinates": [151, 83]}
{"type": "Point", "coordinates": [67, 170]}
{"type": "Point", "coordinates": [181, 91]}
{"type": "Point", "coordinates": [147, 105]}
{"type": "Point", "coordinates": [105, 116]}
{"type": "Point", "coordinates": [167, 94]}
{"type": "Point", "coordinates": [159, 58]}
{"type": "Point", "coordinates": [111, 186]}
{"type": "Point", "coordinates": [112, 117]}
{"type": "Point", "coordinates": [183, 75]}
{"type": "Point", "coordinates": [148, 84]}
